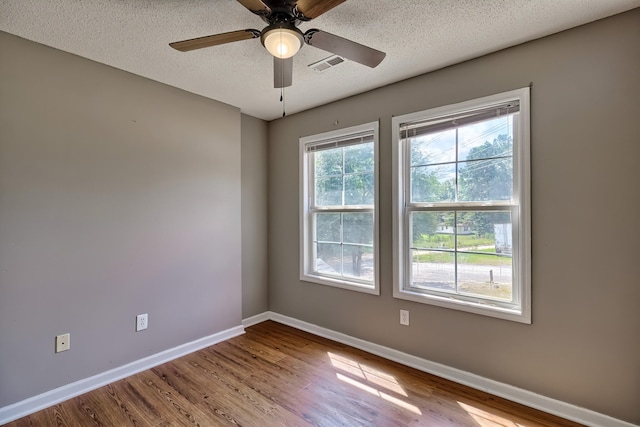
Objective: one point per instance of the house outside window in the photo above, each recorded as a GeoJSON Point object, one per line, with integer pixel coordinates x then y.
{"type": "Point", "coordinates": [338, 212]}
{"type": "Point", "coordinates": [462, 206]}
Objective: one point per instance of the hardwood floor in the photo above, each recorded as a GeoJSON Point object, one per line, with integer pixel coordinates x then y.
{"type": "Point", "coordinates": [275, 375]}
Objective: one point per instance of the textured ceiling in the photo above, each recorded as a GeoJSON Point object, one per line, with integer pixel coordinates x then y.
{"type": "Point", "coordinates": [418, 36]}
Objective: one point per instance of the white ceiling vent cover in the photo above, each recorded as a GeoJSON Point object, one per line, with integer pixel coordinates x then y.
{"type": "Point", "coordinates": [326, 63]}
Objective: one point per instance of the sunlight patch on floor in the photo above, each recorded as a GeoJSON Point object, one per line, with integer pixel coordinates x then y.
{"type": "Point", "coordinates": [487, 419]}
{"type": "Point", "coordinates": [398, 402]}
{"type": "Point", "coordinates": [366, 374]}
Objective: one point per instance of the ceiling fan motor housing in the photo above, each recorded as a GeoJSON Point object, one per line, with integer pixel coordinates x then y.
{"type": "Point", "coordinates": [282, 39]}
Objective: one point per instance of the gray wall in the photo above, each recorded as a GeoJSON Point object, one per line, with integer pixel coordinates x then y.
{"type": "Point", "coordinates": [118, 196]}
{"type": "Point", "coordinates": [584, 344]}
{"type": "Point", "coordinates": [255, 296]}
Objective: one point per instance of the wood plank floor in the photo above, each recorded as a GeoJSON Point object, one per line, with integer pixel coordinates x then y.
{"type": "Point", "coordinates": [275, 375]}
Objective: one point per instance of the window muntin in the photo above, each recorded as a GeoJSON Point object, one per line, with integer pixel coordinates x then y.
{"type": "Point", "coordinates": [461, 215]}
{"type": "Point", "coordinates": [338, 220]}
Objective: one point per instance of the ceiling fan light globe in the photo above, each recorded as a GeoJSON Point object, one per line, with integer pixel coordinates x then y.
{"type": "Point", "coordinates": [282, 42]}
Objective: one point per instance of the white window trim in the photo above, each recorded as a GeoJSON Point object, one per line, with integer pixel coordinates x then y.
{"type": "Point", "coordinates": [306, 238]}
{"type": "Point", "coordinates": [521, 223]}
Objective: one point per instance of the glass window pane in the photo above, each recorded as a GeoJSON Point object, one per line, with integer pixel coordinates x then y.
{"type": "Point", "coordinates": [484, 140]}
{"type": "Point", "coordinates": [433, 183]}
{"type": "Point", "coordinates": [329, 191]}
{"type": "Point", "coordinates": [329, 258]}
{"type": "Point", "coordinates": [358, 158]}
{"type": "Point", "coordinates": [439, 147]}
{"type": "Point", "coordinates": [359, 189]}
{"type": "Point", "coordinates": [432, 230]}
{"type": "Point", "coordinates": [485, 275]}
{"type": "Point", "coordinates": [483, 180]}
{"type": "Point", "coordinates": [358, 228]}
{"type": "Point", "coordinates": [328, 162]}
{"type": "Point", "coordinates": [488, 232]}
{"type": "Point", "coordinates": [433, 270]}
{"type": "Point", "coordinates": [357, 262]}
{"type": "Point", "coordinates": [328, 227]}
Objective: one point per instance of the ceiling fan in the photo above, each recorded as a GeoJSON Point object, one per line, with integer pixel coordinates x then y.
{"type": "Point", "coordinates": [282, 38]}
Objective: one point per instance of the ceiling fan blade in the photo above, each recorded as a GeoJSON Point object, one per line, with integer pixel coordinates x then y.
{"type": "Point", "coordinates": [343, 47]}
{"type": "Point", "coordinates": [282, 72]}
{"type": "Point", "coordinates": [214, 40]}
{"type": "Point", "coordinates": [256, 6]}
{"type": "Point", "coordinates": [313, 8]}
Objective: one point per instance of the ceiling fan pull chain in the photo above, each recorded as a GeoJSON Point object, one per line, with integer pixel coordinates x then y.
{"type": "Point", "coordinates": [282, 99]}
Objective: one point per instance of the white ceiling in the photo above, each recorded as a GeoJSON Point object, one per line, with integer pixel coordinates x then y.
{"type": "Point", "coordinates": [417, 35]}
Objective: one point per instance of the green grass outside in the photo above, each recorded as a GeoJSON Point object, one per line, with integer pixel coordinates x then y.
{"type": "Point", "coordinates": [446, 240]}
{"type": "Point", "coordinates": [447, 258]}
{"type": "Point", "coordinates": [465, 242]}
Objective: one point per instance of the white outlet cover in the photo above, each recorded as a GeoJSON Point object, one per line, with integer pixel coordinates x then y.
{"type": "Point", "coordinates": [404, 317]}
{"type": "Point", "coordinates": [142, 322]}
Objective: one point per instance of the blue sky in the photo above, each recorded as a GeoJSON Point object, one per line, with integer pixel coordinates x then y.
{"type": "Point", "coordinates": [440, 147]}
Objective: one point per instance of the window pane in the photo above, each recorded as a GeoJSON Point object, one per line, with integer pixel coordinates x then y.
{"type": "Point", "coordinates": [358, 158]}
{"type": "Point", "coordinates": [432, 230]}
{"type": "Point", "coordinates": [329, 258]}
{"type": "Point", "coordinates": [357, 177]}
{"type": "Point", "coordinates": [484, 140]}
{"type": "Point", "coordinates": [328, 227]}
{"type": "Point", "coordinates": [358, 228]}
{"type": "Point", "coordinates": [488, 232]}
{"type": "Point", "coordinates": [357, 262]}
{"type": "Point", "coordinates": [433, 270]}
{"type": "Point", "coordinates": [485, 275]}
{"type": "Point", "coordinates": [329, 191]}
{"type": "Point", "coordinates": [328, 162]}
{"type": "Point", "coordinates": [483, 180]}
{"type": "Point", "coordinates": [433, 183]}
{"type": "Point", "coordinates": [359, 189]}
{"type": "Point", "coordinates": [439, 147]}
{"type": "Point", "coordinates": [488, 271]}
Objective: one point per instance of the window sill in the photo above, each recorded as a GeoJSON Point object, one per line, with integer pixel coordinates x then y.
{"type": "Point", "coordinates": [513, 315]}
{"type": "Point", "coordinates": [344, 284]}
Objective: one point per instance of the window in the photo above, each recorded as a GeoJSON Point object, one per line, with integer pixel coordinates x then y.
{"type": "Point", "coordinates": [339, 198]}
{"type": "Point", "coordinates": [461, 206]}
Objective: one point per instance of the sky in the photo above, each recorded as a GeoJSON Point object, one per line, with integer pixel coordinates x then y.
{"type": "Point", "coordinates": [440, 147]}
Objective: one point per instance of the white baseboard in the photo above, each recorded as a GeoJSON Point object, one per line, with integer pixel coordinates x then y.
{"type": "Point", "coordinates": [60, 394]}
{"type": "Point", "coordinates": [515, 394]}
{"type": "Point", "coordinates": [258, 318]}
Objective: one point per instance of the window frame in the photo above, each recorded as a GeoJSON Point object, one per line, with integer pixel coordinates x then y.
{"type": "Point", "coordinates": [520, 206]}
{"type": "Point", "coordinates": [308, 208]}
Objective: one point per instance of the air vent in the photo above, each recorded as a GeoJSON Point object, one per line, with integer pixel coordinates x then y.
{"type": "Point", "coordinates": [326, 63]}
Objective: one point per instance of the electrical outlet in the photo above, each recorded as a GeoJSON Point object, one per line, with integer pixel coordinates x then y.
{"type": "Point", "coordinates": [63, 342]}
{"type": "Point", "coordinates": [142, 322]}
{"type": "Point", "coordinates": [404, 317]}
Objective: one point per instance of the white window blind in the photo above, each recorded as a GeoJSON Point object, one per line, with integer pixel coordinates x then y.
{"type": "Point", "coordinates": [437, 124]}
